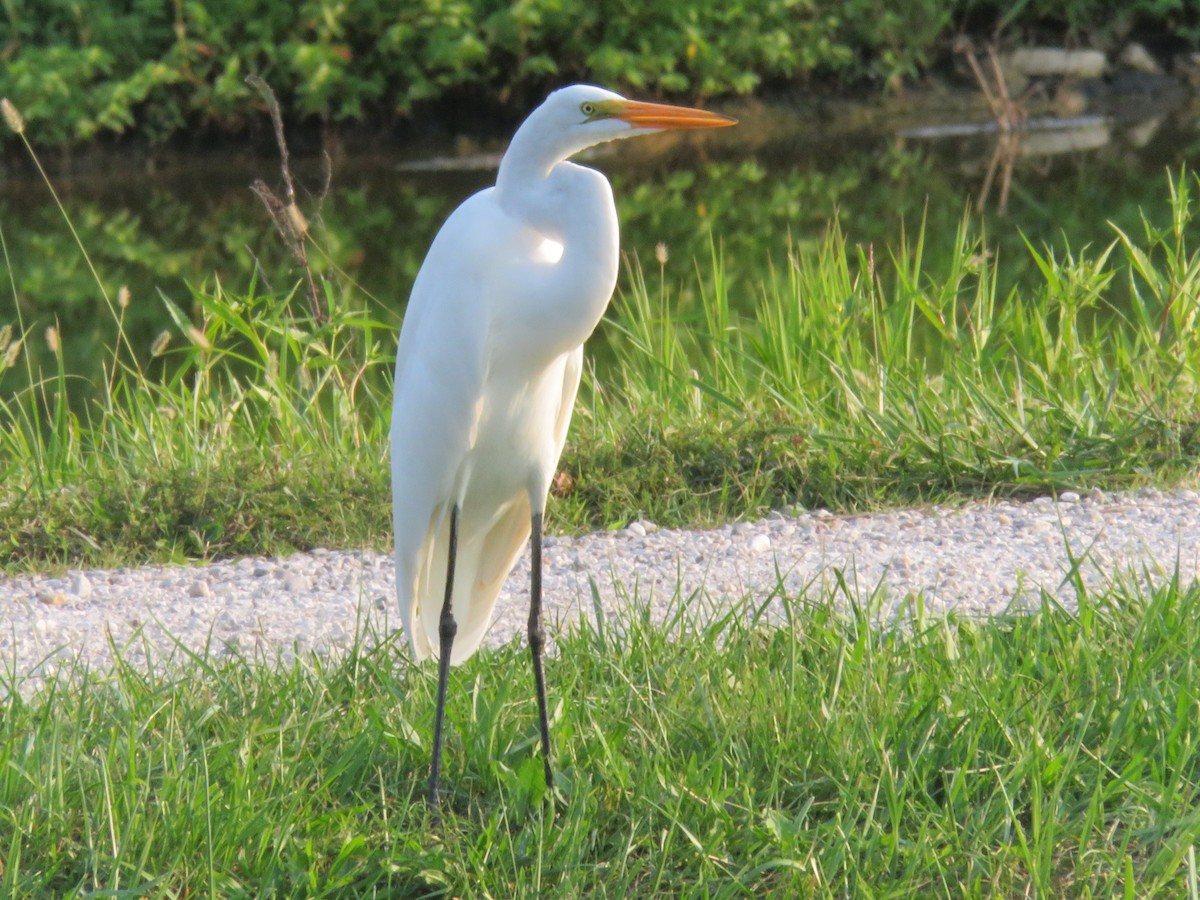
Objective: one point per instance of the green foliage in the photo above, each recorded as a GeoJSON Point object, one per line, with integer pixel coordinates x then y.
{"type": "Point", "coordinates": [901, 38]}
{"type": "Point", "coordinates": [1101, 21]}
{"type": "Point", "coordinates": [82, 71]}
{"type": "Point", "coordinates": [789, 746]}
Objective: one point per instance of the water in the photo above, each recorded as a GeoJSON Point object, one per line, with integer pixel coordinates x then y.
{"type": "Point", "coordinates": [782, 175]}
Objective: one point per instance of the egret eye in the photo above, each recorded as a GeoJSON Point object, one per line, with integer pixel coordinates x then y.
{"type": "Point", "coordinates": [588, 109]}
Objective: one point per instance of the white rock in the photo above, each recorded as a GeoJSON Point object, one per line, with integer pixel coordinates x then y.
{"type": "Point", "coordinates": [199, 588]}
{"type": "Point", "coordinates": [81, 587]}
{"type": "Point", "coordinates": [1035, 61]}
{"type": "Point", "coordinates": [1137, 57]}
{"type": "Point", "coordinates": [297, 583]}
{"type": "Point", "coordinates": [760, 543]}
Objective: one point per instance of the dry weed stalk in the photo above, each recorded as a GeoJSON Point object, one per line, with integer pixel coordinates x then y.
{"type": "Point", "coordinates": [288, 219]}
{"type": "Point", "coordinates": [1010, 116]}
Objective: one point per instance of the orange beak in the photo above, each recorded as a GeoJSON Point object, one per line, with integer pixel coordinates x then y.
{"type": "Point", "coordinates": [659, 115]}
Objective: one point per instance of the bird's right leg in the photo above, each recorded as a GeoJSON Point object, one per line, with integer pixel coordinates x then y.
{"type": "Point", "coordinates": [447, 628]}
{"type": "Point", "coordinates": [537, 640]}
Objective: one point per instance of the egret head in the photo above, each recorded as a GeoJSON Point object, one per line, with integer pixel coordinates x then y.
{"type": "Point", "coordinates": [582, 115]}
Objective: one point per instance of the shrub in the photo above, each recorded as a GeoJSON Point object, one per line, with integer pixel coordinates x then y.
{"type": "Point", "coordinates": [79, 72]}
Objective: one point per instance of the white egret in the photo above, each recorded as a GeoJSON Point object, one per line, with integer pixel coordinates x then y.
{"type": "Point", "coordinates": [487, 368]}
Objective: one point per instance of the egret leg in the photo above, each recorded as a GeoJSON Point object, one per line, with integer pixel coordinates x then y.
{"type": "Point", "coordinates": [447, 628]}
{"type": "Point", "coordinates": [537, 639]}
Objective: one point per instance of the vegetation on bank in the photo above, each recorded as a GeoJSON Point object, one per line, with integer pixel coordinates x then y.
{"type": "Point", "coordinates": [1051, 755]}
{"type": "Point", "coordinates": [83, 71]}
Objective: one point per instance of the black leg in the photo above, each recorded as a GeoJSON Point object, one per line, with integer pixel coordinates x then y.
{"type": "Point", "coordinates": [447, 628]}
{"type": "Point", "coordinates": [537, 639]}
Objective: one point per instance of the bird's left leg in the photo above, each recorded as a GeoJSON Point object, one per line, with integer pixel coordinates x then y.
{"type": "Point", "coordinates": [447, 628]}
{"type": "Point", "coordinates": [537, 638]}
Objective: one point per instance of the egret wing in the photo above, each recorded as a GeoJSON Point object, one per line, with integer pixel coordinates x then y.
{"type": "Point", "coordinates": [440, 375]}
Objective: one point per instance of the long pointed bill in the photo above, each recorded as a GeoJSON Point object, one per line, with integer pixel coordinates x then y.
{"type": "Point", "coordinates": [660, 115]}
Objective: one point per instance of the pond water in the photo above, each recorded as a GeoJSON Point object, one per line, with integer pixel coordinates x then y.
{"type": "Point", "coordinates": [783, 174]}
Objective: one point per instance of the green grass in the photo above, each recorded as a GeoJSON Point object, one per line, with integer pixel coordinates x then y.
{"type": "Point", "coordinates": [1052, 754]}
{"type": "Point", "coordinates": [856, 381]}
{"type": "Point", "coordinates": [845, 376]}
{"type": "Point", "coordinates": [255, 432]}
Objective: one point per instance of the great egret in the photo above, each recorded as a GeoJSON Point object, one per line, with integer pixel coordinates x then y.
{"type": "Point", "coordinates": [487, 367]}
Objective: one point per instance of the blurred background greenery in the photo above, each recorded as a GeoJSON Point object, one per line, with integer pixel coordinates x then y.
{"type": "Point", "coordinates": [80, 71]}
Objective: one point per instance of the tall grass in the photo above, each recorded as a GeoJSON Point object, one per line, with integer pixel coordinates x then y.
{"type": "Point", "coordinates": [840, 341]}
{"type": "Point", "coordinates": [256, 401]}
{"type": "Point", "coordinates": [1053, 754]}
{"type": "Point", "coordinates": [853, 376]}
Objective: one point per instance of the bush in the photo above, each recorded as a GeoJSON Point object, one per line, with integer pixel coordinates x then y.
{"type": "Point", "coordinates": [78, 72]}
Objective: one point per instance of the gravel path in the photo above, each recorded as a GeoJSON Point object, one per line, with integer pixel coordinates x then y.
{"type": "Point", "coordinates": [977, 558]}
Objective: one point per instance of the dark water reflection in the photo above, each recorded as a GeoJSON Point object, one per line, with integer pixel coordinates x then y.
{"type": "Point", "coordinates": [783, 175]}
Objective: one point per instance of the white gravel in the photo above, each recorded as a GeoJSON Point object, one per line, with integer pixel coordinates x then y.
{"type": "Point", "coordinates": [977, 558]}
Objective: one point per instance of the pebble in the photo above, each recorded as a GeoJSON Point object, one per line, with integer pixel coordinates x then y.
{"type": "Point", "coordinates": [81, 587]}
{"type": "Point", "coordinates": [977, 558]}
{"type": "Point", "coordinates": [296, 583]}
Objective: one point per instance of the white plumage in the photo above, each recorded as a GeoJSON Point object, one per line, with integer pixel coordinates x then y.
{"type": "Point", "coordinates": [489, 361]}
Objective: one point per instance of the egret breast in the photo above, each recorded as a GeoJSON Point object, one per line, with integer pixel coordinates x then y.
{"type": "Point", "coordinates": [549, 252]}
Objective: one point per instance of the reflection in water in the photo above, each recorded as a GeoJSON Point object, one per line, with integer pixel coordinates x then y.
{"type": "Point", "coordinates": [783, 175]}
{"type": "Point", "coordinates": [1036, 139]}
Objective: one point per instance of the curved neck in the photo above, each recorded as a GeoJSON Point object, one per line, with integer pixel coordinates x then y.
{"type": "Point", "coordinates": [528, 160]}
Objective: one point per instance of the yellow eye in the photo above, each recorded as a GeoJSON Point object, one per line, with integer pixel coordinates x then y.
{"type": "Point", "coordinates": [588, 109]}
